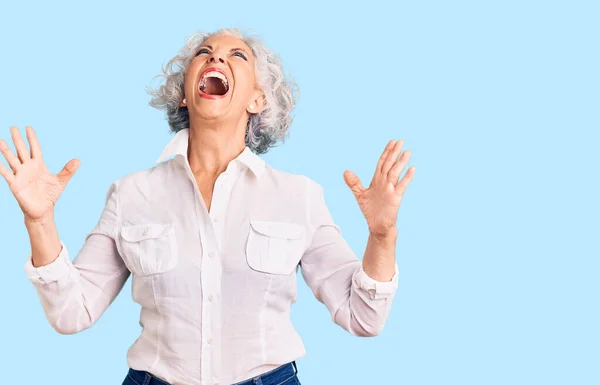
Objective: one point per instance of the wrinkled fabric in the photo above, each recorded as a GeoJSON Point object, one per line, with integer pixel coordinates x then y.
{"type": "Point", "coordinates": [215, 288]}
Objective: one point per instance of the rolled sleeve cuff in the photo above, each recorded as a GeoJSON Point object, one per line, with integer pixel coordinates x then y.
{"type": "Point", "coordinates": [51, 272]}
{"type": "Point", "coordinates": [376, 289]}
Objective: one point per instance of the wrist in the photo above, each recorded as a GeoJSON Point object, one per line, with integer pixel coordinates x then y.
{"type": "Point", "coordinates": [39, 222]}
{"type": "Point", "coordinates": [386, 234]}
{"type": "Point", "coordinates": [43, 236]}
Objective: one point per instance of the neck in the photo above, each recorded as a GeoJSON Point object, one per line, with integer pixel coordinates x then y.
{"type": "Point", "coordinates": [212, 145]}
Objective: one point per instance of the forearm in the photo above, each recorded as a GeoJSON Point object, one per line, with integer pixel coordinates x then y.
{"type": "Point", "coordinates": [373, 288]}
{"type": "Point", "coordinates": [379, 260]}
{"type": "Point", "coordinates": [43, 236]}
{"type": "Point", "coordinates": [75, 294]}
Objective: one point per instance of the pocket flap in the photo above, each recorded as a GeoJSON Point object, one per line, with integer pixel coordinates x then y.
{"type": "Point", "coordinates": [278, 229]}
{"type": "Point", "coordinates": [138, 233]}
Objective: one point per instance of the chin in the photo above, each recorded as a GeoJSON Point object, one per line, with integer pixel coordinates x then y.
{"type": "Point", "coordinates": [212, 110]}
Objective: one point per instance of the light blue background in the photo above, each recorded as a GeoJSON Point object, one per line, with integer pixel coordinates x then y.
{"type": "Point", "coordinates": [498, 232]}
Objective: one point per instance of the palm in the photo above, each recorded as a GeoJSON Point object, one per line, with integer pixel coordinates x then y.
{"type": "Point", "coordinates": [36, 190]}
{"type": "Point", "coordinates": [381, 201]}
{"type": "Point", "coordinates": [34, 187]}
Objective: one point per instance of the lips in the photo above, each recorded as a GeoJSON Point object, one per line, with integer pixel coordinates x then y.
{"type": "Point", "coordinates": [213, 84]}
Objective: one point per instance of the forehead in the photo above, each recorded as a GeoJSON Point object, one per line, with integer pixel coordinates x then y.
{"type": "Point", "coordinates": [227, 41]}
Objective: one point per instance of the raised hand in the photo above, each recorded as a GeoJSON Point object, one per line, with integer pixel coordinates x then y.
{"type": "Point", "coordinates": [34, 187]}
{"type": "Point", "coordinates": [381, 201]}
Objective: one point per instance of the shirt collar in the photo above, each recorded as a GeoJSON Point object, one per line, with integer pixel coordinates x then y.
{"type": "Point", "coordinates": [179, 146]}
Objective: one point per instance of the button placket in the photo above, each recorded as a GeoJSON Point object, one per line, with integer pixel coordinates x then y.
{"type": "Point", "coordinates": [210, 284]}
{"type": "Point", "coordinates": [205, 324]}
{"type": "Point", "coordinates": [222, 181]}
{"type": "Point", "coordinates": [207, 274]}
{"type": "Point", "coordinates": [210, 228]}
{"type": "Point", "coordinates": [220, 200]}
{"type": "Point", "coordinates": [216, 209]}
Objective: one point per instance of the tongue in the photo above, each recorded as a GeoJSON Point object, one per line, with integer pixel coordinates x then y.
{"type": "Point", "coordinates": [214, 86]}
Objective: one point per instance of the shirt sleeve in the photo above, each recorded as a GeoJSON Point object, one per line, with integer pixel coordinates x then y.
{"type": "Point", "coordinates": [356, 302]}
{"type": "Point", "coordinates": [75, 294]}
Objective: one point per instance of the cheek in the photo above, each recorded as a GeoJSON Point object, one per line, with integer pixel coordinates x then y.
{"type": "Point", "coordinates": [245, 80]}
{"type": "Point", "coordinates": [190, 75]}
{"type": "Point", "coordinates": [243, 88]}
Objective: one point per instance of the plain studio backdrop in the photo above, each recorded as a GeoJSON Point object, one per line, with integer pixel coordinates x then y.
{"type": "Point", "coordinates": [498, 232]}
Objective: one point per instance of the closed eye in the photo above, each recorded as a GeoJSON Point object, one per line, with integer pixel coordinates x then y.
{"type": "Point", "coordinates": [203, 50]}
{"type": "Point", "coordinates": [240, 54]}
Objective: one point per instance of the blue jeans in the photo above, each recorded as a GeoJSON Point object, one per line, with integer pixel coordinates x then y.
{"type": "Point", "coordinates": [284, 375]}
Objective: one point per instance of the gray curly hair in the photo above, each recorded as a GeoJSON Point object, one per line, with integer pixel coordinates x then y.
{"type": "Point", "coordinates": [263, 130]}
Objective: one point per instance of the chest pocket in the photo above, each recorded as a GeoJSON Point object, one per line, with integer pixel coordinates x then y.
{"type": "Point", "coordinates": [275, 247]}
{"type": "Point", "coordinates": [150, 248]}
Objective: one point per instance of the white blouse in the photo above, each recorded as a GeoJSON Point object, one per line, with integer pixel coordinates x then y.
{"type": "Point", "coordinates": [215, 288]}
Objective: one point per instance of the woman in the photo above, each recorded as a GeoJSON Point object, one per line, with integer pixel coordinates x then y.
{"type": "Point", "coordinates": [212, 235]}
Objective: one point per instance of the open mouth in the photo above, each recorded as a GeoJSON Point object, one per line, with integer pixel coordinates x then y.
{"type": "Point", "coordinates": [213, 82]}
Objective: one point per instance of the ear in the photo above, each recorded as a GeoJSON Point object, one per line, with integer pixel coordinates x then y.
{"type": "Point", "coordinates": [258, 102]}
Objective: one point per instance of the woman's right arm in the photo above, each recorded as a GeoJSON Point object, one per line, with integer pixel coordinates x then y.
{"type": "Point", "coordinates": [73, 294]}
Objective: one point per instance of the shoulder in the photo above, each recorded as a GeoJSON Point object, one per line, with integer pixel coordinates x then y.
{"type": "Point", "coordinates": [284, 179]}
{"type": "Point", "coordinates": [288, 191]}
{"type": "Point", "coordinates": [143, 193]}
{"type": "Point", "coordinates": [306, 194]}
{"type": "Point", "coordinates": [144, 178]}
{"type": "Point", "coordinates": [290, 197]}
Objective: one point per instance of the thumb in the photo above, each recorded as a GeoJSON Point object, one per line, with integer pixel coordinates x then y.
{"type": "Point", "coordinates": [353, 182]}
{"type": "Point", "coordinates": [68, 171]}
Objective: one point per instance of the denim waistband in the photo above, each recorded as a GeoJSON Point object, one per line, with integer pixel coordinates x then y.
{"type": "Point", "coordinates": [275, 376]}
{"type": "Point", "coordinates": [272, 377]}
{"type": "Point", "coordinates": [142, 377]}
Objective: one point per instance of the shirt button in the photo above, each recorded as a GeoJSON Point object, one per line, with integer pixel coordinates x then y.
{"type": "Point", "coordinates": [145, 233]}
{"type": "Point", "coordinates": [210, 297]}
{"type": "Point", "coordinates": [209, 341]}
{"type": "Point", "coordinates": [211, 254]}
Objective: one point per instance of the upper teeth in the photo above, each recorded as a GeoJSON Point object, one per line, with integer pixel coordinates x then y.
{"type": "Point", "coordinates": [215, 74]}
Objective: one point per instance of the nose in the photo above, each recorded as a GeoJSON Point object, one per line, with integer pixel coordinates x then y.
{"type": "Point", "coordinates": [216, 56]}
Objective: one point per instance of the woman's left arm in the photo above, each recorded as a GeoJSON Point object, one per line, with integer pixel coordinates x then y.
{"type": "Point", "coordinates": [358, 294]}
